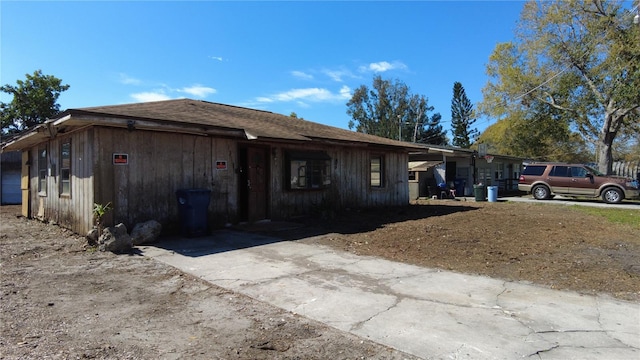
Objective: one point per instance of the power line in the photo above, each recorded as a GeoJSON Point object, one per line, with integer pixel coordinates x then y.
{"type": "Point", "coordinates": [567, 67]}
{"type": "Point", "coordinates": [545, 82]}
{"type": "Point", "coordinates": [585, 54]}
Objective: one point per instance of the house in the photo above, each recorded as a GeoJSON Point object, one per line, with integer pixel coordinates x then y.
{"type": "Point", "coordinates": [460, 169]}
{"type": "Point", "coordinates": [256, 164]}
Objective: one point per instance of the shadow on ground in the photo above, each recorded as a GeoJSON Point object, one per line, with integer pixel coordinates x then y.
{"type": "Point", "coordinates": [349, 221]}
{"type": "Point", "coordinates": [266, 232]}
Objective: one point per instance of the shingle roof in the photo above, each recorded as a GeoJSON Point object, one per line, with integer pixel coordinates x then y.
{"type": "Point", "coordinates": [258, 123]}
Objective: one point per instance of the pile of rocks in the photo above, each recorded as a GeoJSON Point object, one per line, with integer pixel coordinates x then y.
{"type": "Point", "coordinates": [116, 239]}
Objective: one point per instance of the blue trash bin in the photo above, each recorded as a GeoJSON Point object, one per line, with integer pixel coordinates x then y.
{"type": "Point", "coordinates": [193, 205]}
{"type": "Point", "coordinates": [492, 193]}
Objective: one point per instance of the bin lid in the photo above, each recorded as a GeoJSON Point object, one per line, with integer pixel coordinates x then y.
{"type": "Point", "coordinates": [192, 190]}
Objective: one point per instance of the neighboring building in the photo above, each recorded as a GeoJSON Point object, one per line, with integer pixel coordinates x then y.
{"type": "Point", "coordinates": [257, 164]}
{"type": "Point", "coordinates": [460, 169]}
{"type": "Point", "coordinates": [10, 169]}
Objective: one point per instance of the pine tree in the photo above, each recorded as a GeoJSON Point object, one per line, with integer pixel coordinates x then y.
{"type": "Point", "coordinates": [462, 117]}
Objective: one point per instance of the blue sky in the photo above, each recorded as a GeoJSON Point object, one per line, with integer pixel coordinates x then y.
{"type": "Point", "coordinates": [305, 57]}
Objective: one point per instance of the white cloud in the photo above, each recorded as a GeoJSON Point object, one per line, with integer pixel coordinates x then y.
{"type": "Point", "coordinates": [345, 92]}
{"type": "Point", "coordinates": [338, 75]}
{"type": "Point", "coordinates": [128, 80]}
{"type": "Point", "coordinates": [301, 75]}
{"type": "Point", "coordinates": [307, 94]}
{"type": "Point", "coordinates": [312, 94]}
{"type": "Point", "coordinates": [198, 90]}
{"type": "Point", "coordinates": [383, 66]}
{"type": "Point", "coordinates": [263, 99]}
{"type": "Point", "coordinates": [219, 58]}
{"type": "Point", "coordinates": [150, 96]}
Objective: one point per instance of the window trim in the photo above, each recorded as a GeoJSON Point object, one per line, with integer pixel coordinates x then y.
{"type": "Point", "coordinates": [43, 168]}
{"type": "Point", "coordinates": [66, 167]}
{"type": "Point", "coordinates": [380, 172]}
{"type": "Point", "coordinates": [313, 170]}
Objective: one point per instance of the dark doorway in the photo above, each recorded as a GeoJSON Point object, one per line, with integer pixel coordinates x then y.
{"type": "Point", "coordinates": [450, 172]}
{"type": "Point", "coordinates": [253, 183]}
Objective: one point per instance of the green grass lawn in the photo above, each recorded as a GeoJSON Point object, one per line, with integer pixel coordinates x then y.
{"type": "Point", "coordinates": [619, 216]}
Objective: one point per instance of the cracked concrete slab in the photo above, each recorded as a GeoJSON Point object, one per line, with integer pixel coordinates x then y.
{"type": "Point", "coordinates": [425, 312]}
{"type": "Point", "coordinates": [440, 330]}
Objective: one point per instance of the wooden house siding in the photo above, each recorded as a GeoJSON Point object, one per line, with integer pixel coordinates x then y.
{"type": "Point", "coordinates": [159, 164]}
{"type": "Point", "coordinates": [72, 211]}
{"type": "Point", "coordinates": [350, 182]}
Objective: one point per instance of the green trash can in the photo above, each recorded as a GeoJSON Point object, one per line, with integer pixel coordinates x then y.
{"type": "Point", "coordinates": [478, 191]}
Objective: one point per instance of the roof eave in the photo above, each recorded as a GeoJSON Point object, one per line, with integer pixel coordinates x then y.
{"type": "Point", "coordinates": [34, 136]}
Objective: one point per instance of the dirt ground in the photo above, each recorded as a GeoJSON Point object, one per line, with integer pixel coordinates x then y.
{"type": "Point", "coordinates": [62, 300]}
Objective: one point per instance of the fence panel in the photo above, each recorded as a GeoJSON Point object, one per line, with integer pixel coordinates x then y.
{"type": "Point", "coordinates": [627, 168]}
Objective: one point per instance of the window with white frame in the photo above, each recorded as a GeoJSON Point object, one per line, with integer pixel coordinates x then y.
{"type": "Point", "coordinates": [499, 175]}
{"type": "Point", "coordinates": [484, 175]}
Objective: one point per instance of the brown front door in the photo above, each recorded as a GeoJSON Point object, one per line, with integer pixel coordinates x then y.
{"type": "Point", "coordinates": [257, 172]}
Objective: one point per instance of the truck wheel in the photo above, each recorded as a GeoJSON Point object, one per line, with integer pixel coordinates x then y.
{"type": "Point", "coordinates": [541, 192]}
{"type": "Point", "coordinates": [612, 195]}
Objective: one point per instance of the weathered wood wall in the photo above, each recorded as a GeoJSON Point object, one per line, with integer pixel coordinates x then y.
{"type": "Point", "coordinates": [73, 211]}
{"type": "Point", "coordinates": [159, 164]}
{"type": "Point", "coordinates": [350, 172]}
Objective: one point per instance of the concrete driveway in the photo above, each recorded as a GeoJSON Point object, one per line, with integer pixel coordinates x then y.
{"type": "Point", "coordinates": [428, 313]}
{"type": "Point", "coordinates": [560, 200]}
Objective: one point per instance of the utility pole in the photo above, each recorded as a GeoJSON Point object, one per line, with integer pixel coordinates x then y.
{"type": "Point", "coordinates": [415, 129]}
{"type": "Point", "coordinates": [636, 19]}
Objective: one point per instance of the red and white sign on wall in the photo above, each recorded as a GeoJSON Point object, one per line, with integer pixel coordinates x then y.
{"type": "Point", "coordinates": [120, 159]}
{"type": "Point", "coordinates": [221, 165]}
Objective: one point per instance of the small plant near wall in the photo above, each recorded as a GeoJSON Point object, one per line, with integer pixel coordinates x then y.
{"type": "Point", "coordinates": [99, 210]}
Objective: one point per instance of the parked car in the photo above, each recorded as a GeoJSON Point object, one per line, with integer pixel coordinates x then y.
{"type": "Point", "coordinates": [545, 180]}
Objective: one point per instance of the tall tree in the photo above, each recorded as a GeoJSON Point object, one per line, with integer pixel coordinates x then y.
{"type": "Point", "coordinates": [581, 58]}
{"type": "Point", "coordinates": [462, 118]}
{"type": "Point", "coordinates": [34, 101]}
{"type": "Point", "coordinates": [390, 110]}
{"type": "Point", "coordinates": [541, 138]}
